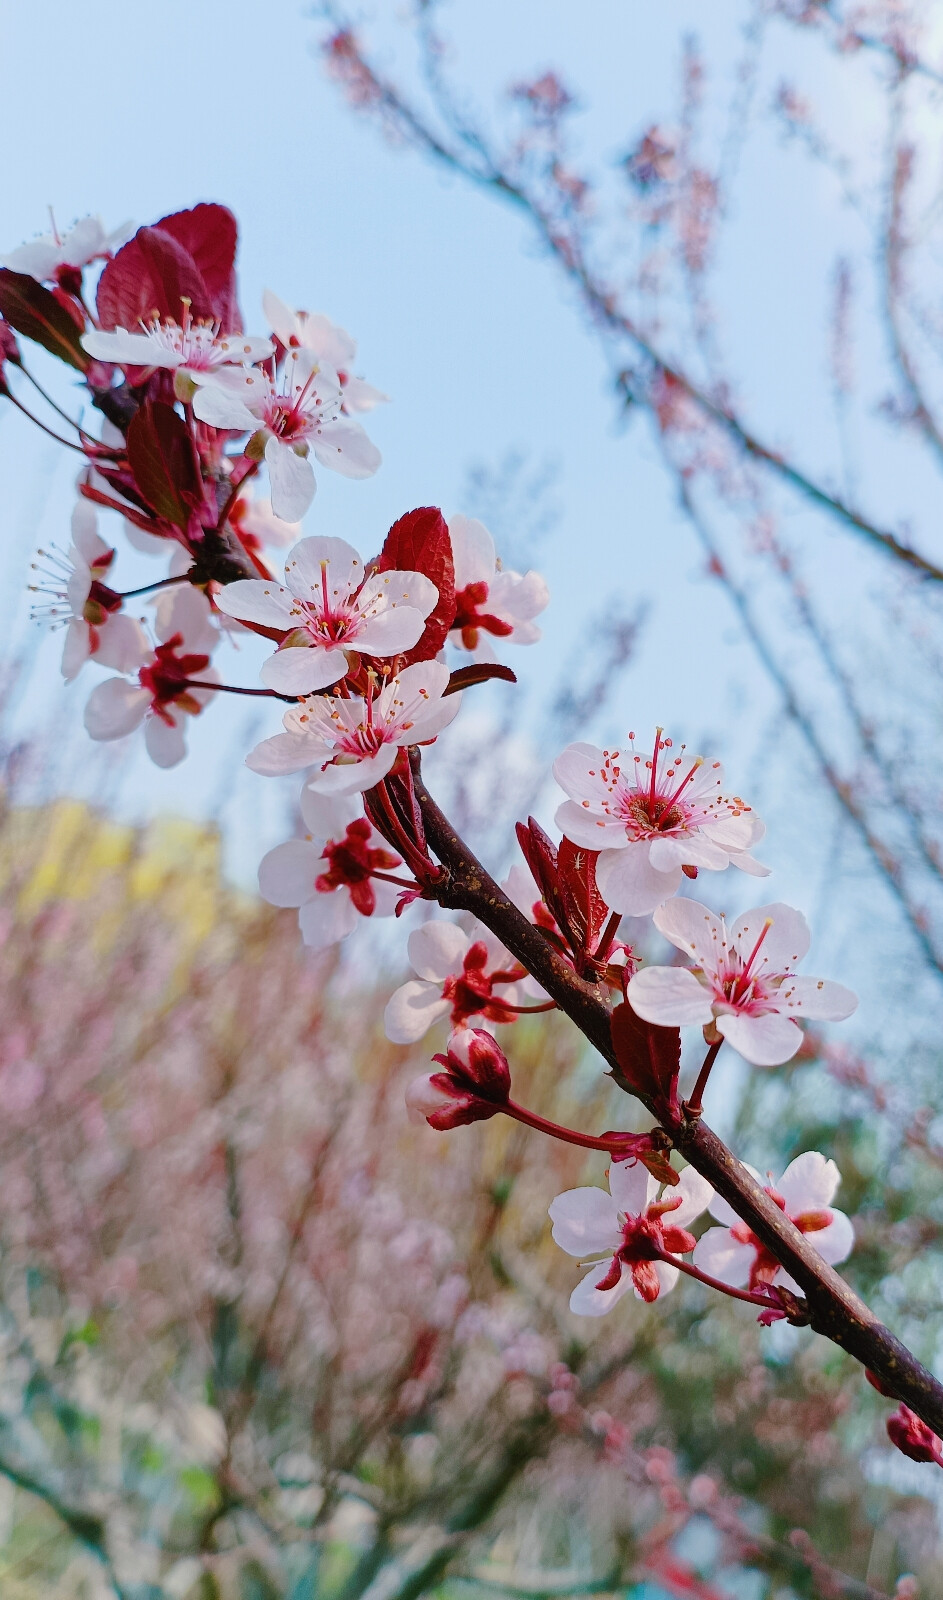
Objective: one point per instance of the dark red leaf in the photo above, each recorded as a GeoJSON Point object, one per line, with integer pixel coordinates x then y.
{"type": "Point", "coordinates": [587, 912]}
{"type": "Point", "coordinates": [152, 272]}
{"type": "Point", "coordinates": [419, 542]}
{"type": "Point", "coordinates": [478, 672]}
{"type": "Point", "coordinates": [649, 1058]}
{"type": "Point", "coordinates": [209, 234]}
{"type": "Point", "coordinates": [36, 313]}
{"type": "Point", "coordinates": [164, 462]}
{"type": "Point", "coordinates": [540, 853]}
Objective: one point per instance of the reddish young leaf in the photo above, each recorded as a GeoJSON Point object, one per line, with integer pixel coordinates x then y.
{"type": "Point", "coordinates": [649, 1058]}
{"type": "Point", "coordinates": [587, 912]}
{"type": "Point", "coordinates": [419, 542]}
{"type": "Point", "coordinates": [540, 853]}
{"type": "Point", "coordinates": [209, 234]}
{"type": "Point", "coordinates": [164, 462]}
{"type": "Point", "coordinates": [36, 313]}
{"type": "Point", "coordinates": [478, 672]}
{"type": "Point", "coordinates": [152, 272]}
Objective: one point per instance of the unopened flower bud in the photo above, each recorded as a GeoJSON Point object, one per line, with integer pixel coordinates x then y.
{"type": "Point", "coordinates": [913, 1438]}
{"type": "Point", "coordinates": [475, 1083]}
{"type": "Point", "coordinates": [477, 1058]}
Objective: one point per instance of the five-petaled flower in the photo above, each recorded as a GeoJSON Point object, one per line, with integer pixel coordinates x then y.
{"type": "Point", "coordinates": [97, 628]}
{"type": "Point", "coordinates": [353, 744]}
{"type": "Point", "coordinates": [163, 696]}
{"type": "Point", "coordinates": [192, 349]}
{"type": "Point", "coordinates": [55, 255]}
{"type": "Point", "coordinates": [805, 1192]}
{"type": "Point", "coordinates": [652, 819]}
{"type": "Point", "coordinates": [330, 876]}
{"type": "Point", "coordinates": [489, 600]}
{"type": "Point", "coordinates": [330, 606]}
{"type": "Point", "coordinates": [744, 982]}
{"type": "Point", "coordinates": [456, 975]}
{"type": "Point", "coordinates": [631, 1229]}
{"type": "Point", "coordinates": [474, 1084]}
{"type": "Point", "coordinates": [296, 411]}
{"type": "Point", "coordinates": [311, 330]}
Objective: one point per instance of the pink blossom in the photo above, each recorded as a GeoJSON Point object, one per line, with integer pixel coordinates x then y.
{"type": "Point", "coordinates": [43, 258]}
{"type": "Point", "coordinates": [490, 600]}
{"type": "Point", "coordinates": [311, 330]}
{"type": "Point", "coordinates": [328, 876]}
{"type": "Point", "coordinates": [352, 744]}
{"type": "Point", "coordinates": [97, 628]}
{"type": "Point", "coordinates": [805, 1192]}
{"type": "Point", "coordinates": [328, 607]}
{"type": "Point", "coordinates": [743, 982]}
{"type": "Point", "coordinates": [458, 974]}
{"type": "Point", "coordinates": [294, 413]}
{"type": "Point", "coordinates": [162, 697]}
{"type": "Point", "coordinates": [193, 349]}
{"type": "Point", "coordinates": [629, 1227]}
{"type": "Point", "coordinates": [652, 819]}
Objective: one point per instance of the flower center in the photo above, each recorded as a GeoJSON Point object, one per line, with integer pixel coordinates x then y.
{"type": "Point", "coordinates": [470, 619]}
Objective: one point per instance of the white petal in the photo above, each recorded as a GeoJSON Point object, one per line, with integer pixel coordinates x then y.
{"type": "Point", "coordinates": [632, 1187]}
{"type": "Point", "coordinates": [215, 405]}
{"type": "Point", "coordinates": [696, 1195]}
{"type": "Point", "coordinates": [287, 873]}
{"type": "Point", "coordinates": [166, 741]}
{"type": "Point", "coordinates": [361, 396]}
{"type": "Point", "coordinates": [436, 949]}
{"type": "Point", "coordinates": [696, 930]}
{"type": "Point", "coordinates": [115, 708]}
{"type": "Point", "coordinates": [343, 446]}
{"type": "Point", "coordinates": [473, 552]}
{"type": "Point", "coordinates": [354, 777]}
{"type": "Point", "coordinates": [301, 669]}
{"type": "Point", "coordinates": [411, 1011]}
{"type": "Point", "coordinates": [722, 1210]}
{"type": "Point", "coordinates": [313, 559]}
{"type": "Point", "coordinates": [328, 816]}
{"type": "Point", "coordinates": [123, 643]}
{"type": "Point", "coordinates": [766, 1041]}
{"type": "Point", "coordinates": [327, 919]}
{"type": "Point", "coordinates": [258, 600]}
{"type": "Point", "coordinates": [629, 883]}
{"type": "Point", "coordinates": [84, 530]}
{"type": "Point", "coordinates": [283, 322]}
{"type": "Point", "coordinates": [585, 1222]}
{"type": "Point", "coordinates": [670, 997]}
{"type": "Point", "coordinates": [284, 752]}
{"type": "Point", "coordinates": [667, 1276]}
{"type": "Point", "coordinates": [817, 998]}
{"type": "Point", "coordinates": [784, 944]}
{"type": "Point", "coordinates": [718, 1253]}
{"type": "Point", "coordinates": [809, 1183]}
{"type": "Point", "coordinates": [836, 1242]}
{"type": "Point", "coordinates": [589, 829]}
{"type": "Point", "coordinates": [587, 1301]}
{"type": "Point", "coordinates": [391, 633]}
{"type": "Point", "coordinates": [746, 863]}
{"type": "Point", "coordinates": [76, 649]}
{"type": "Point", "coordinates": [291, 479]}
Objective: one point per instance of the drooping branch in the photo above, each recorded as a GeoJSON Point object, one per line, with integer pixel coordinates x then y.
{"type": "Point", "coordinates": [834, 1308]}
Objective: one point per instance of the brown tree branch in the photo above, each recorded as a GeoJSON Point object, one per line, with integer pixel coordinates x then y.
{"type": "Point", "coordinates": [835, 1310]}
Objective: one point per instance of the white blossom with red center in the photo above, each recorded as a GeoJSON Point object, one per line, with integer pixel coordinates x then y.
{"type": "Point", "coordinates": [297, 411]}
{"type": "Point", "coordinates": [50, 255]}
{"type": "Point", "coordinates": [162, 696]}
{"type": "Point", "coordinates": [490, 600]}
{"type": "Point", "coordinates": [311, 330]}
{"type": "Point", "coordinates": [652, 820]}
{"type": "Point", "coordinates": [329, 606]}
{"type": "Point", "coordinates": [458, 975]}
{"type": "Point", "coordinates": [629, 1227]}
{"type": "Point", "coordinates": [96, 627]}
{"type": "Point", "coordinates": [352, 744]}
{"type": "Point", "coordinates": [744, 982]}
{"type": "Point", "coordinates": [194, 348]}
{"type": "Point", "coordinates": [331, 875]}
{"type": "Point", "coordinates": [805, 1193]}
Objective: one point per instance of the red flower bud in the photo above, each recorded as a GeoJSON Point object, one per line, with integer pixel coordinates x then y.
{"type": "Point", "coordinates": [474, 1085]}
{"type": "Point", "coordinates": [913, 1438]}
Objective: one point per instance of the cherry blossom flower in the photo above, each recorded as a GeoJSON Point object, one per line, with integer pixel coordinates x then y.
{"type": "Point", "coordinates": [805, 1192]}
{"type": "Point", "coordinates": [162, 696]}
{"type": "Point", "coordinates": [311, 330]}
{"type": "Point", "coordinates": [328, 876]}
{"type": "Point", "coordinates": [298, 411]}
{"type": "Point", "coordinates": [45, 257]}
{"type": "Point", "coordinates": [353, 743]}
{"type": "Point", "coordinates": [744, 982]}
{"type": "Point", "coordinates": [488, 599]}
{"type": "Point", "coordinates": [651, 820]}
{"type": "Point", "coordinates": [474, 1084]}
{"type": "Point", "coordinates": [328, 607]}
{"type": "Point", "coordinates": [630, 1228]}
{"type": "Point", "coordinates": [193, 349]}
{"type": "Point", "coordinates": [452, 979]}
{"type": "Point", "coordinates": [96, 628]}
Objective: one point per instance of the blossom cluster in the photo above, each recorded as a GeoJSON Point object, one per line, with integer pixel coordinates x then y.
{"type": "Point", "coordinates": [361, 653]}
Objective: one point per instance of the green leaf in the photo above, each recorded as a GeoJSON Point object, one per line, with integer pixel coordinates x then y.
{"type": "Point", "coordinates": [34, 311]}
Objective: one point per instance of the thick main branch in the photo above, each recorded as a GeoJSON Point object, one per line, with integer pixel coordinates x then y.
{"type": "Point", "coordinates": [836, 1311]}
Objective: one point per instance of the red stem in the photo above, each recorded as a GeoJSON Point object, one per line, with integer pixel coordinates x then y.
{"type": "Point", "coordinates": [587, 1141]}
{"type": "Point", "coordinates": [717, 1283]}
{"type": "Point", "coordinates": [693, 1106]}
